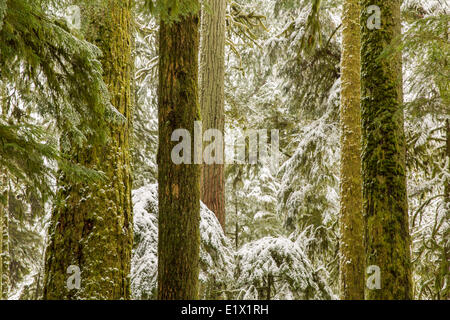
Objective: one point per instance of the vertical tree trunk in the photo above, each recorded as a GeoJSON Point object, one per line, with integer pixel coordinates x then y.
{"type": "Point", "coordinates": [387, 238]}
{"type": "Point", "coordinates": [212, 77]}
{"type": "Point", "coordinates": [92, 223]}
{"type": "Point", "coordinates": [2, 12]}
{"type": "Point", "coordinates": [446, 269]}
{"type": "Point", "coordinates": [3, 194]}
{"type": "Point", "coordinates": [5, 255]}
{"type": "Point", "coordinates": [447, 155]}
{"type": "Point", "coordinates": [2, 209]}
{"type": "Point", "coordinates": [269, 286]}
{"type": "Point", "coordinates": [179, 185]}
{"type": "Point", "coordinates": [351, 219]}
{"type": "Point", "coordinates": [4, 241]}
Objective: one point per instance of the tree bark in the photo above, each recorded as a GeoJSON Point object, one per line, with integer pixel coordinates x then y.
{"type": "Point", "coordinates": [446, 268]}
{"type": "Point", "coordinates": [351, 219]}
{"type": "Point", "coordinates": [387, 237]}
{"type": "Point", "coordinates": [212, 99]}
{"type": "Point", "coordinates": [92, 225]}
{"type": "Point", "coordinates": [179, 185]}
{"type": "Point", "coordinates": [2, 209]}
{"type": "Point", "coordinates": [4, 237]}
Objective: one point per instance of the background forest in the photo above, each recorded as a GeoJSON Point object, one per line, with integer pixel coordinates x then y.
{"type": "Point", "coordinates": [82, 129]}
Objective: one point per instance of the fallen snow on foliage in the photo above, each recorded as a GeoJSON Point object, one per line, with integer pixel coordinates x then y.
{"type": "Point", "coordinates": [282, 263]}
{"type": "Point", "coordinates": [216, 256]}
{"type": "Point", "coordinates": [144, 262]}
{"type": "Point", "coordinates": [221, 268]}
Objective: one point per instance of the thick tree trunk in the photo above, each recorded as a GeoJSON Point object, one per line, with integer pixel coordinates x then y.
{"type": "Point", "coordinates": [387, 237]}
{"type": "Point", "coordinates": [351, 219]}
{"type": "Point", "coordinates": [212, 77]}
{"type": "Point", "coordinates": [179, 185]}
{"type": "Point", "coordinates": [92, 224]}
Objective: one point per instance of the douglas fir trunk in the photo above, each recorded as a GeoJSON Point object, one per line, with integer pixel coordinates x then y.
{"type": "Point", "coordinates": [179, 185]}
{"type": "Point", "coordinates": [212, 75]}
{"type": "Point", "coordinates": [387, 238]}
{"type": "Point", "coordinates": [351, 219]}
{"type": "Point", "coordinates": [92, 223]}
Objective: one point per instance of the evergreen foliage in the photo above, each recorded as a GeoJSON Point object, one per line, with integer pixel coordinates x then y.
{"type": "Point", "coordinates": [49, 71]}
{"type": "Point", "coordinates": [282, 71]}
{"type": "Point", "coordinates": [216, 255]}
{"type": "Point", "coordinates": [172, 10]}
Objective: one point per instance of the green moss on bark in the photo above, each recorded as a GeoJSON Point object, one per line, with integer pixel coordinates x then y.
{"type": "Point", "coordinates": [351, 222]}
{"type": "Point", "coordinates": [446, 261]}
{"type": "Point", "coordinates": [92, 223]}
{"type": "Point", "coordinates": [179, 185]}
{"type": "Point", "coordinates": [387, 238]}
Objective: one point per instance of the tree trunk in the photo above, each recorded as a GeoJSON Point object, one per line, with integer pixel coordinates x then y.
{"type": "Point", "coordinates": [4, 237]}
{"type": "Point", "coordinates": [269, 286]}
{"type": "Point", "coordinates": [447, 182]}
{"type": "Point", "coordinates": [212, 77]}
{"type": "Point", "coordinates": [2, 210]}
{"type": "Point", "coordinates": [179, 185]}
{"type": "Point", "coordinates": [387, 237]}
{"type": "Point", "coordinates": [351, 219]}
{"type": "Point", "coordinates": [92, 224]}
{"type": "Point", "coordinates": [446, 259]}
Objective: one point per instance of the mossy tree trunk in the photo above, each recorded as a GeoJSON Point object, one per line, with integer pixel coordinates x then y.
{"type": "Point", "coordinates": [92, 223]}
{"type": "Point", "coordinates": [446, 265]}
{"type": "Point", "coordinates": [179, 185]}
{"type": "Point", "coordinates": [387, 237]}
{"type": "Point", "coordinates": [447, 182]}
{"type": "Point", "coordinates": [351, 219]}
{"type": "Point", "coordinates": [2, 210]}
{"type": "Point", "coordinates": [212, 99]}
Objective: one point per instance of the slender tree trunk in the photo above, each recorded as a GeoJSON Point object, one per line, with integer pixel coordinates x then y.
{"type": "Point", "coordinates": [2, 209]}
{"type": "Point", "coordinates": [236, 230]}
{"type": "Point", "coordinates": [3, 192]}
{"type": "Point", "coordinates": [92, 224]}
{"type": "Point", "coordinates": [351, 219]}
{"type": "Point", "coordinates": [212, 77]}
{"type": "Point", "coordinates": [447, 155]}
{"type": "Point", "coordinates": [179, 185]}
{"type": "Point", "coordinates": [446, 269]}
{"type": "Point", "coordinates": [4, 239]}
{"type": "Point", "coordinates": [269, 286]}
{"type": "Point", "coordinates": [6, 259]}
{"type": "Point", "coordinates": [387, 237]}
{"type": "Point", "coordinates": [2, 12]}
